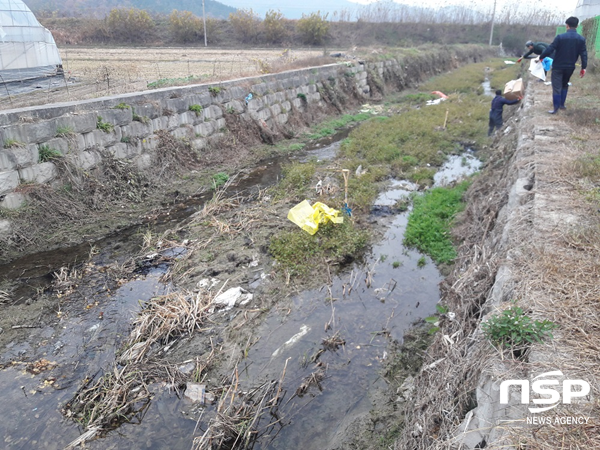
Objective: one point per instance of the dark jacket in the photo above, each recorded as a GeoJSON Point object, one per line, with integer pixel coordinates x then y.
{"type": "Point", "coordinates": [538, 48]}
{"type": "Point", "coordinates": [568, 47]}
{"type": "Point", "coordinates": [498, 105]}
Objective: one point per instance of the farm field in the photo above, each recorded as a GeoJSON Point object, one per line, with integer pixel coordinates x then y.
{"type": "Point", "coordinates": [91, 72]}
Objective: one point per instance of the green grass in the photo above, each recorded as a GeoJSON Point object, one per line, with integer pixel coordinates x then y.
{"type": "Point", "coordinates": [122, 106]}
{"type": "Point", "coordinates": [196, 108]}
{"type": "Point", "coordinates": [104, 126]}
{"type": "Point", "coordinates": [430, 221]}
{"type": "Point", "coordinates": [301, 254]}
{"type": "Point", "coordinates": [219, 179]}
{"type": "Point", "coordinates": [164, 82]}
{"type": "Point", "coordinates": [417, 138]}
{"type": "Point", "coordinates": [64, 131]}
{"type": "Point", "coordinates": [297, 178]}
{"type": "Point", "coordinates": [588, 166]}
{"type": "Point", "coordinates": [330, 127]}
{"type": "Point", "coordinates": [295, 147]}
{"type": "Point", "coordinates": [8, 143]}
{"type": "Point", "coordinates": [48, 154]}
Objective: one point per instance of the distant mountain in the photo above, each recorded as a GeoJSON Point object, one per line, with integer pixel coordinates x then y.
{"type": "Point", "coordinates": [293, 9]}
{"type": "Point", "coordinates": [100, 8]}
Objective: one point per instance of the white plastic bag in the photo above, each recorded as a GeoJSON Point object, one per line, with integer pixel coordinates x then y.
{"type": "Point", "coordinates": [537, 70]}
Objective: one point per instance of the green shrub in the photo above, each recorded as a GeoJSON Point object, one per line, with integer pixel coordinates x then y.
{"type": "Point", "coordinates": [313, 28]}
{"type": "Point", "coordinates": [214, 90]}
{"type": "Point", "coordinates": [274, 27]}
{"type": "Point", "coordinates": [130, 24]}
{"type": "Point", "coordinates": [245, 24]}
{"type": "Point", "coordinates": [513, 328]}
{"type": "Point", "coordinates": [185, 27]}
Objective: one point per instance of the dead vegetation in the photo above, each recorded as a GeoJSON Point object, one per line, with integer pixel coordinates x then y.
{"type": "Point", "coordinates": [237, 423]}
{"type": "Point", "coordinates": [80, 198]}
{"type": "Point", "coordinates": [163, 320]}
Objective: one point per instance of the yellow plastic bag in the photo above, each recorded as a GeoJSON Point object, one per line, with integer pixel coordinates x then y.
{"type": "Point", "coordinates": [310, 217]}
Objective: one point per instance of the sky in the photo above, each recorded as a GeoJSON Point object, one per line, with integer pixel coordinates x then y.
{"type": "Point", "coordinates": [566, 6]}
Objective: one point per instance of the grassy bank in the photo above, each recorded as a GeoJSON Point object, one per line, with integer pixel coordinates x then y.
{"type": "Point", "coordinates": [408, 140]}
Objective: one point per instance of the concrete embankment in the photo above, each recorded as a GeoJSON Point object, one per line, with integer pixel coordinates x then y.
{"type": "Point", "coordinates": [529, 239]}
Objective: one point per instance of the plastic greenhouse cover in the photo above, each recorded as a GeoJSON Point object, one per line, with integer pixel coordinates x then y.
{"type": "Point", "coordinates": [27, 49]}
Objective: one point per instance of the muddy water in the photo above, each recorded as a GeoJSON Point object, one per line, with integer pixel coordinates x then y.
{"type": "Point", "coordinates": [367, 305]}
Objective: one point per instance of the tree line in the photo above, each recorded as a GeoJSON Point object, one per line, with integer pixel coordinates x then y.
{"type": "Point", "coordinates": [126, 26]}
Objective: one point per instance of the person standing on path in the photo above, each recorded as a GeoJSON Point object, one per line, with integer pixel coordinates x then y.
{"type": "Point", "coordinates": [568, 47]}
{"type": "Point", "coordinates": [498, 103]}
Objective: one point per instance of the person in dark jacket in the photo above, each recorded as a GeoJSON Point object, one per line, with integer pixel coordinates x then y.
{"type": "Point", "coordinates": [536, 48]}
{"type": "Point", "coordinates": [568, 48]}
{"type": "Point", "coordinates": [496, 112]}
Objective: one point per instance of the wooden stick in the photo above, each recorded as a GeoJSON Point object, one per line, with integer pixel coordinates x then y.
{"type": "Point", "coordinates": [446, 119]}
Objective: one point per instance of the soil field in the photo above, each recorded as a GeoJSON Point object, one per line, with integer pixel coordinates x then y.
{"type": "Point", "coordinates": [97, 72]}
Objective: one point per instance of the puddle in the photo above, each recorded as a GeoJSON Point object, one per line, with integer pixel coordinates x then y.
{"type": "Point", "coordinates": [487, 88]}
{"type": "Point", "coordinates": [456, 168]}
{"type": "Point", "coordinates": [76, 347]}
{"type": "Point", "coordinates": [399, 190]}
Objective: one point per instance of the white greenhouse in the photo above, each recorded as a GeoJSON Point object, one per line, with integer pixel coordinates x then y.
{"type": "Point", "coordinates": [27, 49]}
{"type": "Point", "coordinates": [587, 8]}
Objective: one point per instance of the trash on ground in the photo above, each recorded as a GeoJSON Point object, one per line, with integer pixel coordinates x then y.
{"type": "Point", "coordinates": [195, 392]}
{"type": "Point", "coordinates": [440, 94]}
{"type": "Point", "coordinates": [509, 62]}
{"type": "Point", "coordinates": [373, 109]}
{"type": "Point", "coordinates": [310, 217]}
{"type": "Point", "coordinates": [230, 297]}
{"type": "Point", "coordinates": [360, 171]}
{"type": "Point", "coordinates": [304, 329]}
{"type": "Point", "coordinates": [437, 101]}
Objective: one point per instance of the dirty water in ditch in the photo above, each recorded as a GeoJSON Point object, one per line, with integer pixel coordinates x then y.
{"type": "Point", "coordinates": [368, 304]}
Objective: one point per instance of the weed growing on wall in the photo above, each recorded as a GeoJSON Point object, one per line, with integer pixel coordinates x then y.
{"type": "Point", "coordinates": [104, 126]}
{"type": "Point", "coordinates": [47, 153]}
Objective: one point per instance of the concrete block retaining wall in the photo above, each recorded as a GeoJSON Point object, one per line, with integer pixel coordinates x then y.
{"type": "Point", "coordinates": [72, 129]}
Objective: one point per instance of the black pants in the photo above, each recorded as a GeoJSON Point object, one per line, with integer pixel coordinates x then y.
{"type": "Point", "coordinates": [560, 80]}
{"type": "Point", "coordinates": [495, 121]}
